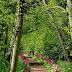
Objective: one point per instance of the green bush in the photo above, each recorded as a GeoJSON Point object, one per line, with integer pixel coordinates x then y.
{"type": "Point", "coordinates": [66, 67]}
{"type": "Point", "coordinates": [4, 65]}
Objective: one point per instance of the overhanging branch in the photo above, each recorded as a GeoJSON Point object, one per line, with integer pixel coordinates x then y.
{"type": "Point", "coordinates": [58, 7]}
{"type": "Point", "coordinates": [57, 30]}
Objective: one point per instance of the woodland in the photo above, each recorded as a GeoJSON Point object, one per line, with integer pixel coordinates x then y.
{"type": "Point", "coordinates": [38, 26]}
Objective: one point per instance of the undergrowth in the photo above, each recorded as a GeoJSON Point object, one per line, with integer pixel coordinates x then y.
{"type": "Point", "coordinates": [66, 67]}
{"type": "Point", "coordinates": [4, 65]}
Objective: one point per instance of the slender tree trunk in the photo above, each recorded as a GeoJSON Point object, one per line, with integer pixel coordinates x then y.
{"type": "Point", "coordinates": [58, 32]}
{"type": "Point", "coordinates": [69, 5]}
{"type": "Point", "coordinates": [18, 36]}
{"type": "Point", "coordinates": [6, 39]}
{"type": "Point", "coordinates": [62, 42]}
{"type": "Point", "coordinates": [8, 54]}
{"type": "Point", "coordinates": [1, 33]}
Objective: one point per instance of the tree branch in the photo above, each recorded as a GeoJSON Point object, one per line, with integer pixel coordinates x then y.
{"type": "Point", "coordinates": [57, 8]}
{"type": "Point", "coordinates": [58, 31]}
{"type": "Point", "coordinates": [53, 7]}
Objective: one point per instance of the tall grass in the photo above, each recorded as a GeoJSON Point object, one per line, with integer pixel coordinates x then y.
{"type": "Point", "coordinates": [4, 65]}
{"type": "Point", "coordinates": [20, 67]}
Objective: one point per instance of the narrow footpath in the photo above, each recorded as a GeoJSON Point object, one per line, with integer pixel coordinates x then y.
{"type": "Point", "coordinates": [36, 66]}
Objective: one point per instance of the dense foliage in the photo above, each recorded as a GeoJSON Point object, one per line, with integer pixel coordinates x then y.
{"type": "Point", "coordinates": [38, 32]}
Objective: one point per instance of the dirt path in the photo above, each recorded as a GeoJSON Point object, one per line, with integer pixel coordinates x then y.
{"type": "Point", "coordinates": [36, 66]}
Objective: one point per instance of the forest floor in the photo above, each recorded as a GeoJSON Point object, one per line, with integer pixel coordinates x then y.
{"type": "Point", "coordinates": [36, 66]}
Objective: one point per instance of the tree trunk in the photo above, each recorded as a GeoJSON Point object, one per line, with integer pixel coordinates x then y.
{"type": "Point", "coordinates": [6, 39]}
{"type": "Point", "coordinates": [69, 5]}
{"type": "Point", "coordinates": [62, 42]}
{"type": "Point", "coordinates": [16, 48]}
{"type": "Point", "coordinates": [58, 32]}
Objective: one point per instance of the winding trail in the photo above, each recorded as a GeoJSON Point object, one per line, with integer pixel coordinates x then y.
{"type": "Point", "coordinates": [36, 66]}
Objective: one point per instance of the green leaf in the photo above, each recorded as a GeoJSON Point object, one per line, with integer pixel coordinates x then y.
{"type": "Point", "coordinates": [67, 47]}
{"type": "Point", "coordinates": [70, 53]}
{"type": "Point", "coordinates": [1, 11]}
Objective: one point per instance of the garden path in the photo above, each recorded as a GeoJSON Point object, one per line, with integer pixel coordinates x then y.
{"type": "Point", "coordinates": [36, 66]}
